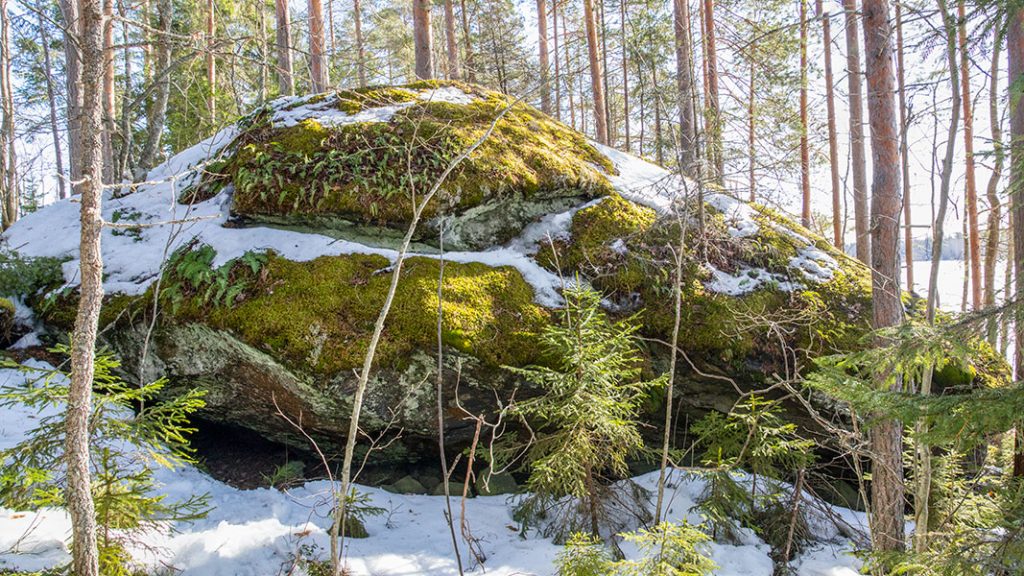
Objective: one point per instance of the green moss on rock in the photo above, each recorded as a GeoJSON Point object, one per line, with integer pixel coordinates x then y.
{"type": "Point", "coordinates": [318, 315]}
{"type": "Point", "coordinates": [369, 173]}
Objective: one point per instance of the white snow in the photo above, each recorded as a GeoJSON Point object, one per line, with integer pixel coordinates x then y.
{"type": "Point", "coordinates": [133, 260]}
{"type": "Point", "coordinates": [326, 112]}
{"type": "Point", "coordinates": [258, 532]}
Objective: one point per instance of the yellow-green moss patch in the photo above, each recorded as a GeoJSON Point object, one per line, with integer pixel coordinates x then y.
{"type": "Point", "coordinates": [318, 315]}
{"type": "Point", "coordinates": [368, 173]}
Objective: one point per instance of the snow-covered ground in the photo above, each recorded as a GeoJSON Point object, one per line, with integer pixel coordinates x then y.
{"type": "Point", "coordinates": [260, 532]}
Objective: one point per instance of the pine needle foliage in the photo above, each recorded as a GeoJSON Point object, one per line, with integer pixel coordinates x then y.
{"type": "Point", "coordinates": [667, 549]}
{"type": "Point", "coordinates": [586, 418]}
{"type": "Point", "coordinates": [130, 433]}
{"type": "Point", "coordinates": [753, 437]}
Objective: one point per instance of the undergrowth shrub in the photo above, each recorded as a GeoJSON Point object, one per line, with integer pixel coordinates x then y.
{"type": "Point", "coordinates": [131, 433]}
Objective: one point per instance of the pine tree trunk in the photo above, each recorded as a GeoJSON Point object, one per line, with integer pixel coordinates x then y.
{"type": "Point", "coordinates": [859, 167]}
{"type": "Point", "coordinates": [684, 87]}
{"type": "Point", "coordinates": [109, 114]}
{"type": "Point", "coordinates": [453, 50]}
{"type": "Point", "coordinates": [833, 140]}
{"type": "Point", "coordinates": [124, 156]}
{"type": "Point", "coordinates": [84, 554]}
{"type": "Point", "coordinates": [1015, 53]}
{"type": "Point", "coordinates": [162, 89]}
{"type": "Point", "coordinates": [211, 64]}
{"type": "Point", "coordinates": [319, 75]}
{"type": "Point", "coordinates": [285, 78]}
{"type": "Point", "coordinates": [568, 72]}
{"type": "Point", "coordinates": [558, 71]}
{"type": "Point", "coordinates": [625, 72]}
{"type": "Point", "coordinates": [886, 440]}
{"type": "Point", "coordinates": [596, 77]}
{"type": "Point", "coordinates": [608, 120]}
{"type": "Point", "coordinates": [58, 152]}
{"type": "Point", "coordinates": [713, 126]}
{"type": "Point", "coordinates": [11, 189]}
{"type": "Point", "coordinates": [751, 132]}
{"type": "Point", "coordinates": [357, 18]}
{"type": "Point", "coordinates": [467, 40]}
{"type": "Point", "coordinates": [8, 157]}
{"type": "Point", "coordinates": [659, 148]}
{"type": "Point", "coordinates": [908, 237]}
{"type": "Point", "coordinates": [542, 41]}
{"type": "Point", "coordinates": [995, 213]}
{"type": "Point", "coordinates": [969, 177]}
{"type": "Point", "coordinates": [73, 85]}
{"type": "Point", "coordinates": [423, 39]}
{"type": "Point", "coordinates": [805, 151]}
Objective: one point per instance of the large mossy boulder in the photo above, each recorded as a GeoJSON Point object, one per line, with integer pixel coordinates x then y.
{"type": "Point", "coordinates": [264, 255]}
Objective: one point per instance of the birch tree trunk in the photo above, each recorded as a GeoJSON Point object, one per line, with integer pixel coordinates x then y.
{"type": "Point", "coordinates": [423, 39]}
{"type": "Point", "coordinates": [886, 441]}
{"type": "Point", "coordinates": [859, 167]}
{"type": "Point", "coordinates": [84, 554]}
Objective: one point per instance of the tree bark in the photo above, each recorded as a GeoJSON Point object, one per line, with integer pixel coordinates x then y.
{"type": "Point", "coordinates": [360, 48]}
{"type": "Point", "coordinates": [9, 168]}
{"type": "Point", "coordinates": [859, 167]}
{"type": "Point", "coordinates": [285, 78]}
{"type": "Point", "coordinates": [558, 72]}
{"type": "Point", "coordinates": [211, 64]}
{"type": "Point", "coordinates": [833, 140]}
{"type": "Point", "coordinates": [908, 237]}
{"type": "Point", "coordinates": [995, 213]}
{"type": "Point", "coordinates": [319, 74]}
{"type": "Point", "coordinates": [84, 554]}
{"type": "Point", "coordinates": [684, 87]}
{"type": "Point", "coordinates": [453, 50]}
{"type": "Point", "coordinates": [423, 39]}
{"type": "Point", "coordinates": [73, 85]}
{"type": "Point", "coordinates": [162, 88]}
{"type": "Point", "coordinates": [805, 151]}
{"type": "Point", "coordinates": [969, 177]}
{"type": "Point", "coordinates": [1015, 53]}
{"type": "Point", "coordinates": [886, 437]}
{"type": "Point", "coordinates": [713, 123]}
{"type": "Point", "coordinates": [596, 77]}
{"type": "Point", "coordinates": [467, 40]}
{"type": "Point", "coordinates": [751, 132]}
{"type": "Point", "coordinates": [109, 114]}
{"type": "Point", "coordinates": [542, 41]}
{"type": "Point", "coordinates": [625, 72]}
{"type": "Point", "coordinates": [58, 152]}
